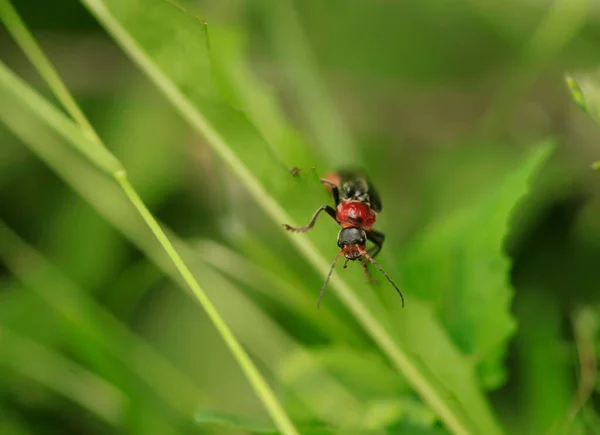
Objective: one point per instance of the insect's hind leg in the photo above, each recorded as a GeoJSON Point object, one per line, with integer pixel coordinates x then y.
{"type": "Point", "coordinates": [365, 269]}
{"type": "Point", "coordinates": [377, 238]}
{"type": "Point", "coordinates": [330, 211]}
{"type": "Point", "coordinates": [335, 191]}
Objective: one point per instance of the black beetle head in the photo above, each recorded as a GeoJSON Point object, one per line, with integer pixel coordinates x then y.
{"type": "Point", "coordinates": [352, 241]}
{"type": "Point", "coordinates": [351, 236]}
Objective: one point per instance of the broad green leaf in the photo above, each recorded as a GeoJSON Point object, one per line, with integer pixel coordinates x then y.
{"type": "Point", "coordinates": [171, 48]}
{"type": "Point", "coordinates": [459, 266]}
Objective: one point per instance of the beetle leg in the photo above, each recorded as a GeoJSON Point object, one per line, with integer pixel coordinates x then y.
{"type": "Point", "coordinates": [330, 211]}
{"type": "Point", "coordinates": [335, 191]}
{"type": "Point", "coordinates": [377, 238]}
{"type": "Point", "coordinates": [369, 276]}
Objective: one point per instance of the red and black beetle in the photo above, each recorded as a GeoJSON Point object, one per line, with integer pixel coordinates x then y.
{"type": "Point", "coordinates": [357, 204]}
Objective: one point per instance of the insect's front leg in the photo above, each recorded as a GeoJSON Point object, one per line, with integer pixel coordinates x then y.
{"type": "Point", "coordinates": [377, 238]}
{"type": "Point", "coordinates": [330, 211]}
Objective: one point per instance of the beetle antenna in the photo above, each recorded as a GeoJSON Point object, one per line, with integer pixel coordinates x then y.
{"type": "Point", "coordinates": [327, 279]}
{"type": "Point", "coordinates": [364, 253]}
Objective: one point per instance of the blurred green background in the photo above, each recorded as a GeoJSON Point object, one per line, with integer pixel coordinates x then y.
{"type": "Point", "coordinates": [451, 107]}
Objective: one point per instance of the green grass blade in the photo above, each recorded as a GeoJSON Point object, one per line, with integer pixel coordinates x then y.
{"type": "Point", "coordinates": [263, 390]}
{"type": "Point", "coordinates": [293, 49]}
{"type": "Point", "coordinates": [61, 375]}
{"type": "Point", "coordinates": [291, 296]}
{"type": "Point", "coordinates": [100, 155]}
{"type": "Point", "coordinates": [252, 97]}
{"type": "Point", "coordinates": [14, 88]}
{"type": "Point", "coordinates": [330, 402]}
{"type": "Point", "coordinates": [96, 324]}
{"type": "Point", "coordinates": [180, 69]}
{"type": "Point", "coordinates": [21, 34]}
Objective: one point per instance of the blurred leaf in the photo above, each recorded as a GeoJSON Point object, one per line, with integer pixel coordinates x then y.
{"type": "Point", "coordinates": [585, 90]}
{"type": "Point", "coordinates": [562, 20]}
{"type": "Point", "coordinates": [386, 412]}
{"type": "Point", "coordinates": [13, 426]}
{"type": "Point", "coordinates": [388, 399]}
{"type": "Point", "coordinates": [458, 264]}
{"type": "Point", "coordinates": [95, 330]}
{"type": "Point", "coordinates": [63, 376]}
{"type": "Point", "coordinates": [221, 418]}
{"type": "Point", "coordinates": [586, 325]}
{"type": "Point", "coordinates": [289, 37]}
{"type": "Point", "coordinates": [254, 98]}
{"type": "Point", "coordinates": [402, 39]}
{"type": "Point", "coordinates": [576, 92]}
{"type": "Point", "coordinates": [364, 371]}
{"type": "Point", "coordinates": [289, 293]}
{"type": "Point", "coordinates": [547, 379]}
{"type": "Point", "coordinates": [229, 420]}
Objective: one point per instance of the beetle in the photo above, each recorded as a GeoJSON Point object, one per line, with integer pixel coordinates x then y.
{"type": "Point", "coordinates": [357, 204]}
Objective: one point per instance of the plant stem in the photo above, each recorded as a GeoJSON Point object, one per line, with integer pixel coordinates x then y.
{"type": "Point", "coordinates": [263, 390]}
{"type": "Point", "coordinates": [21, 34]}
{"type": "Point", "coordinates": [97, 152]}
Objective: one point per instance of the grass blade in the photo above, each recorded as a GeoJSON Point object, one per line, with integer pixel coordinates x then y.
{"type": "Point", "coordinates": [96, 324]}
{"type": "Point", "coordinates": [18, 30]}
{"type": "Point", "coordinates": [15, 88]}
{"type": "Point", "coordinates": [331, 402]}
{"type": "Point", "coordinates": [63, 376]}
{"type": "Point", "coordinates": [100, 155]}
{"type": "Point", "coordinates": [263, 390]}
{"type": "Point", "coordinates": [293, 49]}
{"type": "Point", "coordinates": [559, 25]}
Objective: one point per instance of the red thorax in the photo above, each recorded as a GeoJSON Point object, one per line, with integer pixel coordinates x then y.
{"type": "Point", "coordinates": [355, 214]}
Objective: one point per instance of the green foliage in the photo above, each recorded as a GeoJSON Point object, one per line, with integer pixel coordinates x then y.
{"type": "Point", "coordinates": [167, 62]}
{"type": "Point", "coordinates": [88, 319]}
{"type": "Point", "coordinates": [459, 266]}
{"type": "Point", "coordinates": [585, 90]}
